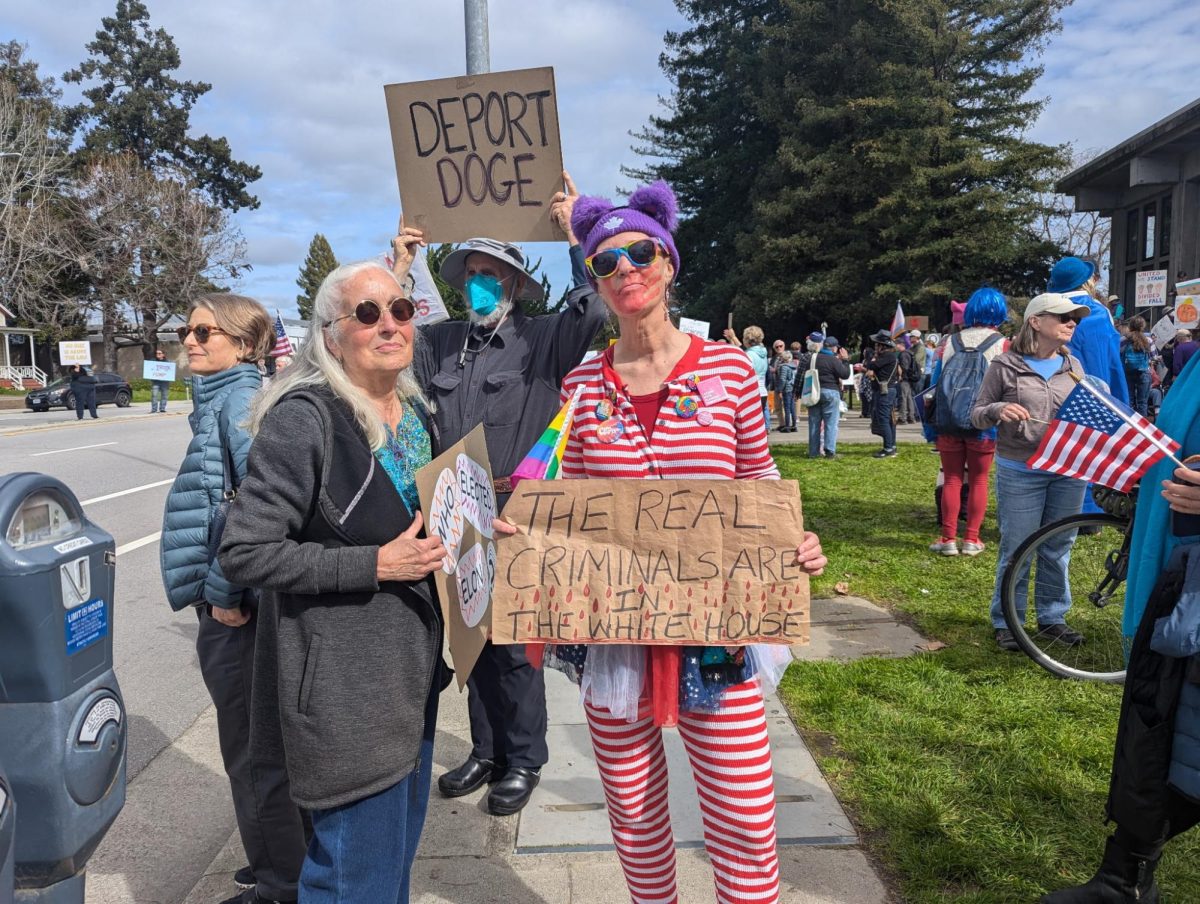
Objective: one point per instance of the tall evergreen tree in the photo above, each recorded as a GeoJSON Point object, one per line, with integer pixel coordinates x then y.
{"type": "Point", "coordinates": [711, 143]}
{"type": "Point", "coordinates": [890, 163]}
{"type": "Point", "coordinates": [137, 106]}
{"type": "Point", "coordinates": [319, 263]}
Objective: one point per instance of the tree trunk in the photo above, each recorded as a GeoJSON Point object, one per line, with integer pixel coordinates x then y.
{"type": "Point", "coordinates": [108, 330]}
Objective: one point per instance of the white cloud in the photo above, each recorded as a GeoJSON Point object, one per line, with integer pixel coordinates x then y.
{"type": "Point", "coordinates": [298, 90]}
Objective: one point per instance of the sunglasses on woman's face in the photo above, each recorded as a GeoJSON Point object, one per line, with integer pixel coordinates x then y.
{"type": "Point", "coordinates": [1064, 318]}
{"type": "Point", "coordinates": [203, 332]}
{"type": "Point", "coordinates": [368, 312]}
{"type": "Point", "coordinates": [641, 253]}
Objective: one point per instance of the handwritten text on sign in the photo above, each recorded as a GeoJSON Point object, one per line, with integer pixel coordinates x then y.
{"type": "Point", "coordinates": [478, 155]}
{"type": "Point", "coordinates": [665, 561]}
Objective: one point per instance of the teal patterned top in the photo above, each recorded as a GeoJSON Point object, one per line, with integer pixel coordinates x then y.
{"type": "Point", "coordinates": [405, 452]}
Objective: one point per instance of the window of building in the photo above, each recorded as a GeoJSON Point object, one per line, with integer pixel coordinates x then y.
{"type": "Point", "coordinates": [1149, 232]}
{"type": "Point", "coordinates": [1131, 237]}
{"type": "Point", "coordinates": [1164, 227]}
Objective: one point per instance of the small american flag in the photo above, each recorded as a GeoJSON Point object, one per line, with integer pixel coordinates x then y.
{"type": "Point", "coordinates": [283, 345]}
{"type": "Point", "coordinates": [1088, 440]}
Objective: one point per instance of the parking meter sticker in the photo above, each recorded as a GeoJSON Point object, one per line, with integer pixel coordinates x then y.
{"type": "Point", "coordinates": [475, 574]}
{"type": "Point", "coordinates": [477, 496]}
{"type": "Point", "coordinates": [102, 712]}
{"type": "Point", "coordinates": [445, 517]}
{"type": "Point", "coordinates": [70, 545]}
{"type": "Point", "coordinates": [85, 625]}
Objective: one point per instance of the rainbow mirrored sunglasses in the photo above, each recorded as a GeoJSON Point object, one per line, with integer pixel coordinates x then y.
{"type": "Point", "coordinates": [641, 253]}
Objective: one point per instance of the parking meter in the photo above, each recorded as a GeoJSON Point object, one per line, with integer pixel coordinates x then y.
{"type": "Point", "coordinates": [62, 718]}
{"type": "Point", "coordinates": [8, 818]}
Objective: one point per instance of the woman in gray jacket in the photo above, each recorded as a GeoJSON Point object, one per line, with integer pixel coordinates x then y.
{"type": "Point", "coordinates": [328, 526]}
{"type": "Point", "coordinates": [1021, 393]}
{"type": "Point", "coordinates": [225, 338]}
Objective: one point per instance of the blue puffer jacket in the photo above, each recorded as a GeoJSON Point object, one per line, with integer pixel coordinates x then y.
{"type": "Point", "coordinates": [1178, 635]}
{"type": "Point", "coordinates": [221, 403]}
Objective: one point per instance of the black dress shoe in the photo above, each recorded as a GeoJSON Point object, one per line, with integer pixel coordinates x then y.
{"type": "Point", "coordinates": [469, 776]}
{"type": "Point", "coordinates": [513, 790]}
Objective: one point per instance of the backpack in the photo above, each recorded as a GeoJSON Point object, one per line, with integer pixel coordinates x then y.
{"type": "Point", "coordinates": [958, 387]}
{"type": "Point", "coordinates": [1133, 359]}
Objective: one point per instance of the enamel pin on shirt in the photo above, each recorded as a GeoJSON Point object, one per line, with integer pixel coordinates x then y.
{"type": "Point", "coordinates": [704, 417]}
{"type": "Point", "coordinates": [687, 406]}
{"type": "Point", "coordinates": [604, 409]}
{"type": "Point", "coordinates": [712, 390]}
{"type": "Point", "coordinates": [610, 431]}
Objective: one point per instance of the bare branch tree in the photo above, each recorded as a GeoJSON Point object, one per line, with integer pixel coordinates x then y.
{"type": "Point", "coordinates": [1080, 233]}
{"type": "Point", "coordinates": [38, 249]}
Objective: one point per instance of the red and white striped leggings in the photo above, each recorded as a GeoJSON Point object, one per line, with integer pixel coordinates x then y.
{"type": "Point", "coordinates": [731, 761]}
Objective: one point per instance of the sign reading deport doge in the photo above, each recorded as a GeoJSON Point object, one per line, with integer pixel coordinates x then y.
{"type": "Point", "coordinates": [707, 562]}
{"type": "Point", "coordinates": [478, 155]}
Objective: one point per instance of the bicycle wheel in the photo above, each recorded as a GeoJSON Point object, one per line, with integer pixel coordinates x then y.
{"type": "Point", "coordinates": [1097, 547]}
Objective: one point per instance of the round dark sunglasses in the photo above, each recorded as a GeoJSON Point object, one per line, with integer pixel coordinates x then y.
{"type": "Point", "coordinates": [641, 253]}
{"type": "Point", "coordinates": [203, 332]}
{"type": "Point", "coordinates": [368, 312]}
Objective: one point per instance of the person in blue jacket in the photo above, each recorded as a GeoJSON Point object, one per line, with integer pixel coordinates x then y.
{"type": "Point", "coordinates": [225, 338]}
{"type": "Point", "coordinates": [1154, 792]}
{"type": "Point", "coordinates": [1096, 342]}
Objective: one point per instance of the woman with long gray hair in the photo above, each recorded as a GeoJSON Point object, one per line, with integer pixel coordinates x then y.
{"type": "Point", "coordinates": [327, 525]}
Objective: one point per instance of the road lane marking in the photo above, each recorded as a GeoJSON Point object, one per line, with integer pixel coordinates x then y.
{"type": "Point", "coordinates": [147, 486]}
{"type": "Point", "coordinates": [138, 544]}
{"type": "Point", "coordinates": [72, 449]}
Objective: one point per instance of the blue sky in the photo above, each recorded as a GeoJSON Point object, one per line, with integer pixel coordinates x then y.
{"type": "Point", "coordinates": [298, 90]}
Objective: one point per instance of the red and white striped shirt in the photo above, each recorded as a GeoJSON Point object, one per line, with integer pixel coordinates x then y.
{"type": "Point", "coordinates": [724, 438]}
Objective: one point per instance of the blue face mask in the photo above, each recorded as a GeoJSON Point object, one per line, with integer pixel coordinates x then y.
{"type": "Point", "coordinates": [484, 293]}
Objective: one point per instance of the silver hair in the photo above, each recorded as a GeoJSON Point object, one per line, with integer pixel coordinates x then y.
{"type": "Point", "coordinates": [315, 365]}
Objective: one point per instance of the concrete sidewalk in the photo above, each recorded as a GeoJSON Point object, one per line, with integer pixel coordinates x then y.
{"type": "Point", "coordinates": [559, 850]}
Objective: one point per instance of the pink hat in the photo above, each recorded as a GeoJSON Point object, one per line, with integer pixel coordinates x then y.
{"type": "Point", "coordinates": [958, 311]}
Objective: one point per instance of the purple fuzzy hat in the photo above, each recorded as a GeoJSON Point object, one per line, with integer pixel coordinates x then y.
{"type": "Point", "coordinates": [650, 209]}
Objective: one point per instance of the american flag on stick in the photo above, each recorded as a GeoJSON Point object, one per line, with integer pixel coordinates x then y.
{"type": "Point", "coordinates": [1096, 438]}
{"type": "Point", "coordinates": [283, 345]}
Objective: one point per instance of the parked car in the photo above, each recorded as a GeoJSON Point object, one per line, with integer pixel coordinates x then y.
{"type": "Point", "coordinates": [110, 388]}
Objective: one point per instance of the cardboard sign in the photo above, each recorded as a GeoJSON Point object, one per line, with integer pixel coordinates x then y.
{"type": "Point", "coordinates": [74, 353]}
{"type": "Point", "coordinates": [459, 503]}
{"type": "Point", "coordinates": [1187, 312]}
{"type": "Point", "coordinates": [699, 562]}
{"type": "Point", "coordinates": [478, 155]}
{"type": "Point", "coordinates": [158, 370]}
{"type": "Point", "coordinates": [694, 327]}
{"type": "Point", "coordinates": [916, 322]}
{"type": "Point", "coordinates": [1150, 289]}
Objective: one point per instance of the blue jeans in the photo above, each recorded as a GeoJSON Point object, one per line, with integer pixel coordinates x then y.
{"type": "Point", "coordinates": [789, 409]}
{"type": "Point", "coordinates": [158, 395]}
{"type": "Point", "coordinates": [364, 851]}
{"type": "Point", "coordinates": [825, 413]}
{"type": "Point", "coordinates": [1139, 390]}
{"type": "Point", "coordinates": [1026, 500]}
{"type": "Point", "coordinates": [766, 406]}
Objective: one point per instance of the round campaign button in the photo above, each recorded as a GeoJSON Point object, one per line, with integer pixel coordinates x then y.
{"type": "Point", "coordinates": [610, 431]}
{"type": "Point", "coordinates": [704, 417]}
{"type": "Point", "coordinates": [687, 406]}
{"type": "Point", "coordinates": [604, 410]}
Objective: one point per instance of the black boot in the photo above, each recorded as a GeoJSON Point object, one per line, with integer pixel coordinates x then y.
{"type": "Point", "coordinates": [1123, 878]}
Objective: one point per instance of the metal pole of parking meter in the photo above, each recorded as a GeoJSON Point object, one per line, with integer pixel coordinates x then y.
{"type": "Point", "coordinates": [475, 13]}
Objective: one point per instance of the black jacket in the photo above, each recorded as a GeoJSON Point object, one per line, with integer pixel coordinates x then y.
{"type": "Point", "coordinates": [343, 664]}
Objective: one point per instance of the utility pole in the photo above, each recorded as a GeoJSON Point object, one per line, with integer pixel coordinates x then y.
{"type": "Point", "coordinates": [479, 57]}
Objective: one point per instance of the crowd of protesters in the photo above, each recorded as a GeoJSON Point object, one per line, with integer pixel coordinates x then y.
{"type": "Point", "coordinates": [295, 532]}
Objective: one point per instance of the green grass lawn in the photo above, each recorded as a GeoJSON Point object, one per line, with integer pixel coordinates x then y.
{"type": "Point", "coordinates": [972, 774]}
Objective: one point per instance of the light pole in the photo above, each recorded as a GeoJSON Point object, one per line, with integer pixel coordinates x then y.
{"type": "Point", "coordinates": [476, 18]}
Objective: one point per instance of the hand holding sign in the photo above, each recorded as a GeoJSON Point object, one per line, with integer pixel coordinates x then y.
{"type": "Point", "coordinates": [404, 250]}
{"type": "Point", "coordinates": [408, 558]}
{"type": "Point", "coordinates": [561, 206]}
{"type": "Point", "coordinates": [809, 556]}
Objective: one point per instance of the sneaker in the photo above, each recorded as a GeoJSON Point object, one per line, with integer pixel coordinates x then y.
{"type": "Point", "coordinates": [1061, 633]}
{"type": "Point", "coordinates": [244, 878]}
{"type": "Point", "coordinates": [250, 896]}
{"type": "Point", "coordinates": [945, 547]}
{"type": "Point", "coordinates": [885, 453]}
{"type": "Point", "coordinates": [971, 548]}
{"type": "Point", "coordinates": [1089, 530]}
{"type": "Point", "coordinates": [831, 455]}
{"type": "Point", "coordinates": [1006, 641]}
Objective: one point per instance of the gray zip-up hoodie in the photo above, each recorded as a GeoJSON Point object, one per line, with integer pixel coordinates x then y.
{"type": "Point", "coordinates": [1009, 379]}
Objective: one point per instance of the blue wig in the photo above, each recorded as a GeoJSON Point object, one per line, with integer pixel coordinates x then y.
{"type": "Point", "coordinates": [986, 307]}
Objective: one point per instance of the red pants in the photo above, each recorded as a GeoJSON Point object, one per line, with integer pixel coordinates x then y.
{"type": "Point", "coordinates": [974, 457]}
{"type": "Point", "coordinates": [731, 762]}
